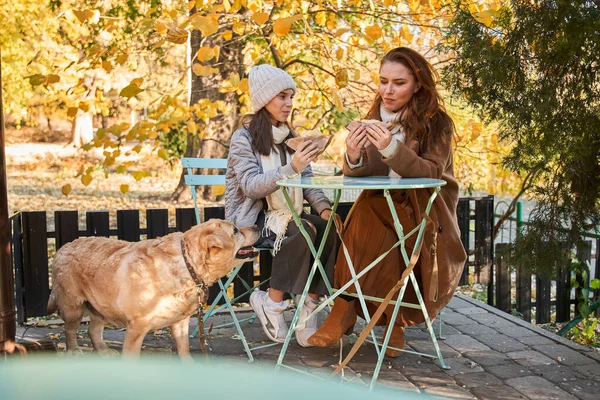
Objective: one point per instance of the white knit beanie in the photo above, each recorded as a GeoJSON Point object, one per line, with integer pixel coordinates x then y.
{"type": "Point", "coordinates": [266, 82]}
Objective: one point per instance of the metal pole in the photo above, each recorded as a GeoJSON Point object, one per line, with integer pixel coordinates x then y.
{"type": "Point", "coordinates": [7, 309]}
{"type": "Point", "coordinates": [519, 218]}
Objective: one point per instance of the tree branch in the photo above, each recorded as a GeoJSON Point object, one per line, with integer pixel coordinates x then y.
{"type": "Point", "coordinates": [528, 182]}
{"type": "Point", "coordinates": [216, 141]}
{"type": "Point", "coordinates": [298, 61]}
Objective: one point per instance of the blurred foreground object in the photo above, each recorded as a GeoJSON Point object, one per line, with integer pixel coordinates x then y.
{"type": "Point", "coordinates": [161, 378]}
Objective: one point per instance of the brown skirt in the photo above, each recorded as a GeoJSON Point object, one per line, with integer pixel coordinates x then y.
{"type": "Point", "coordinates": [368, 233]}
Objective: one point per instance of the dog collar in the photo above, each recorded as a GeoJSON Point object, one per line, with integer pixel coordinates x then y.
{"type": "Point", "coordinates": [199, 284]}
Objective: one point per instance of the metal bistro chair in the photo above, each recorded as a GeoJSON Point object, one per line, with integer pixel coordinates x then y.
{"type": "Point", "coordinates": [193, 181]}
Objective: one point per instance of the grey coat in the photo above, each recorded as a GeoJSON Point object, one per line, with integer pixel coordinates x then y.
{"type": "Point", "coordinates": [247, 184]}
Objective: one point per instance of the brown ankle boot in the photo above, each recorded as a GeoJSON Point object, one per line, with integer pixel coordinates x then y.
{"type": "Point", "coordinates": [396, 340]}
{"type": "Point", "coordinates": [341, 320]}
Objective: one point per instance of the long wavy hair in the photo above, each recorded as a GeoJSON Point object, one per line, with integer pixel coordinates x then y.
{"type": "Point", "coordinates": [260, 127]}
{"type": "Point", "coordinates": [424, 117]}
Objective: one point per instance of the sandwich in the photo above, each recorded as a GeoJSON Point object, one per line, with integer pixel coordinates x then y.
{"type": "Point", "coordinates": [322, 141]}
{"type": "Point", "coordinates": [353, 125]}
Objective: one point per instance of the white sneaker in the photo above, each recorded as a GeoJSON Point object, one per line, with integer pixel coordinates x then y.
{"type": "Point", "coordinates": [308, 328]}
{"type": "Point", "coordinates": [270, 315]}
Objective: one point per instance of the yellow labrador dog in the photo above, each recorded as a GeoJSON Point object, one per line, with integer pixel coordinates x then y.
{"type": "Point", "coordinates": [143, 286]}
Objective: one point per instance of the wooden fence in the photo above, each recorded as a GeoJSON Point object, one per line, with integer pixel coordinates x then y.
{"type": "Point", "coordinates": [33, 244]}
{"type": "Point", "coordinates": [538, 297]}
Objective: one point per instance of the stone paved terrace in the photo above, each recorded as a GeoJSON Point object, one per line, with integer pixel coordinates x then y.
{"type": "Point", "coordinates": [492, 355]}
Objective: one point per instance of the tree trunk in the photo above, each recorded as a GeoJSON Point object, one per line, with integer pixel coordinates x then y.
{"type": "Point", "coordinates": [7, 310]}
{"type": "Point", "coordinates": [214, 143]}
{"type": "Point", "coordinates": [82, 130]}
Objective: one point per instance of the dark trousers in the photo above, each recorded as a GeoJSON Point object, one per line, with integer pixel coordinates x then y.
{"type": "Point", "coordinates": [292, 263]}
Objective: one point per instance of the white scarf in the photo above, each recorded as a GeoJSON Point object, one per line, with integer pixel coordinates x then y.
{"type": "Point", "coordinates": [393, 122]}
{"type": "Point", "coordinates": [278, 215]}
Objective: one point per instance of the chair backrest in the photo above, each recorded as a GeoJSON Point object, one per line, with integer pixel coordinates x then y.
{"type": "Point", "coordinates": [194, 180]}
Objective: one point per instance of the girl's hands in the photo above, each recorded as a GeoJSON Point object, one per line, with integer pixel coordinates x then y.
{"type": "Point", "coordinates": [326, 214]}
{"type": "Point", "coordinates": [306, 153]}
{"type": "Point", "coordinates": [355, 142]}
{"type": "Point", "coordinates": [378, 135]}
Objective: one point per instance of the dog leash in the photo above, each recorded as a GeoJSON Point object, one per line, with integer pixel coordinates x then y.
{"type": "Point", "coordinates": [202, 291]}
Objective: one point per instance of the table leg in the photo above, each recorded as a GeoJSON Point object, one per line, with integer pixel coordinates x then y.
{"type": "Point", "coordinates": [400, 233]}
{"type": "Point", "coordinates": [316, 264]}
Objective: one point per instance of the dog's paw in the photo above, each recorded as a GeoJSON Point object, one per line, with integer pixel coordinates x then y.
{"type": "Point", "coordinates": [108, 353]}
{"type": "Point", "coordinates": [74, 353]}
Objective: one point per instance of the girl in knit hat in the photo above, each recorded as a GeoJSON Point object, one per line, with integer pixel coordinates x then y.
{"type": "Point", "coordinates": [258, 158]}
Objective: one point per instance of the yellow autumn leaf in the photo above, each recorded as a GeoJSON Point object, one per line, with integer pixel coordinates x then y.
{"type": "Point", "coordinates": [282, 26]}
{"type": "Point", "coordinates": [205, 53]}
{"type": "Point", "coordinates": [375, 77]}
{"type": "Point", "coordinates": [374, 31]}
{"type": "Point", "coordinates": [484, 17]}
{"type": "Point", "coordinates": [405, 34]}
{"type": "Point", "coordinates": [107, 66]}
{"type": "Point", "coordinates": [66, 189]}
{"type": "Point", "coordinates": [495, 140]}
{"type": "Point", "coordinates": [341, 78]}
{"type": "Point", "coordinates": [164, 154]}
{"type": "Point", "coordinates": [37, 79]}
{"type": "Point", "coordinates": [260, 18]}
{"type": "Point", "coordinates": [130, 91]}
{"type": "Point", "coordinates": [191, 4]}
{"type": "Point", "coordinates": [339, 53]}
{"type": "Point", "coordinates": [51, 78]}
{"type": "Point", "coordinates": [84, 106]}
{"type": "Point", "coordinates": [337, 100]}
{"type": "Point", "coordinates": [122, 58]}
{"type": "Point", "coordinates": [227, 35]}
{"type": "Point", "coordinates": [388, 3]}
{"type": "Point", "coordinates": [124, 188]}
{"type": "Point", "coordinates": [414, 5]}
{"type": "Point", "coordinates": [108, 161]}
{"type": "Point", "coordinates": [219, 190]}
{"type": "Point", "coordinates": [234, 79]}
{"type": "Point", "coordinates": [80, 15]}
{"type": "Point", "coordinates": [161, 28]}
{"type": "Point", "coordinates": [192, 127]}
{"type": "Point", "coordinates": [177, 35]}
{"type": "Point", "coordinates": [315, 99]}
{"type": "Point", "coordinates": [72, 111]}
{"type": "Point", "coordinates": [321, 18]}
{"type": "Point", "coordinates": [138, 175]}
{"type": "Point", "coordinates": [86, 179]}
{"type": "Point", "coordinates": [207, 25]}
{"type": "Point", "coordinates": [226, 5]}
{"type": "Point", "coordinates": [203, 70]}
{"type": "Point", "coordinates": [239, 28]}
{"type": "Point", "coordinates": [84, 15]}
{"type": "Point", "coordinates": [340, 32]}
{"type": "Point", "coordinates": [243, 86]}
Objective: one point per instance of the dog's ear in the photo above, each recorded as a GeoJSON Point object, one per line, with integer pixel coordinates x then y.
{"type": "Point", "coordinates": [218, 241]}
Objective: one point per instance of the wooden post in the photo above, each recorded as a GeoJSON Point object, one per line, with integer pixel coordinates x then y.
{"type": "Point", "coordinates": [7, 309]}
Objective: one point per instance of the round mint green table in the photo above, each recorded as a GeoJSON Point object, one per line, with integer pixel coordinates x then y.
{"type": "Point", "coordinates": [338, 184]}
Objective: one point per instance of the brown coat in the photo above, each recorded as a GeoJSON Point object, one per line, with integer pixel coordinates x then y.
{"type": "Point", "coordinates": [436, 162]}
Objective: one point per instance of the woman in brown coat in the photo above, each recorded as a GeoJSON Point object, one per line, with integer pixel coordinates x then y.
{"type": "Point", "coordinates": [413, 140]}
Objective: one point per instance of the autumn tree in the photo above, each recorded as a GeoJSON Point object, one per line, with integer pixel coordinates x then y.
{"type": "Point", "coordinates": [533, 68]}
{"type": "Point", "coordinates": [185, 64]}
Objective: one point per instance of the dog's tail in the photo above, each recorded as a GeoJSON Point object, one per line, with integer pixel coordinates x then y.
{"type": "Point", "coordinates": [52, 306]}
